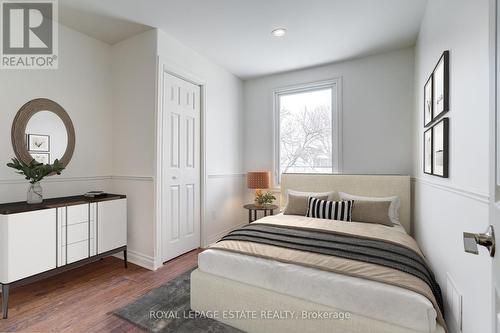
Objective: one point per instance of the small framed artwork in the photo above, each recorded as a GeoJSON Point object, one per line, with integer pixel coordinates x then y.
{"type": "Point", "coordinates": [440, 85]}
{"type": "Point", "coordinates": [428, 151]}
{"type": "Point", "coordinates": [428, 103]}
{"type": "Point", "coordinates": [440, 133]}
{"type": "Point", "coordinates": [38, 142]}
{"type": "Point", "coordinates": [41, 157]}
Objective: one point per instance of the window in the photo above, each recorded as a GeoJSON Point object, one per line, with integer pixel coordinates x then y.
{"type": "Point", "coordinates": [307, 129]}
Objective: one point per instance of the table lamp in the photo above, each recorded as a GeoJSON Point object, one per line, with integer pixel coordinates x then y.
{"type": "Point", "coordinates": [258, 180]}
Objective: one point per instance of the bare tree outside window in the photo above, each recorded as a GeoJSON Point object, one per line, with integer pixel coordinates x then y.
{"type": "Point", "coordinates": [306, 132]}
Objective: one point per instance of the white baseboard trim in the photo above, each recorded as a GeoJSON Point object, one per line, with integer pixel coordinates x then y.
{"type": "Point", "coordinates": [139, 259]}
{"type": "Point", "coordinates": [481, 197]}
{"type": "Point", "coordinates": [214, 238]}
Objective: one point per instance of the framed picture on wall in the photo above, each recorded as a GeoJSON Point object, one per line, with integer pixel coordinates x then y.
{"type": "Point", "coordinates": [428, 151]}
{"type": "Point", "coordinates": [41, 157]}
{"type": "Point", "coordinates": [428, 103]}
{"type": "Point", "coordinates": [38, 142]}
{"type": "Point", "coordinates": [440, 133]}
{"type": "Point", "coordinates": [440, 85]}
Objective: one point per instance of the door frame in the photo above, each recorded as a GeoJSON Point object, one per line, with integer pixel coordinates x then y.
{"type": "Point", "coordinates": [494, 159]}
{"type": "Point", "coordinates": [164, 66]}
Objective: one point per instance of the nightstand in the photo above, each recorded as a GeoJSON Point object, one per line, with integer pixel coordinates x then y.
{"type": "Point", "coordinates": [253, 209]}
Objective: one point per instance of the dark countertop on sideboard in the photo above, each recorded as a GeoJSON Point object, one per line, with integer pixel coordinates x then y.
{"type": "Point", "coordinates": [23, 206]}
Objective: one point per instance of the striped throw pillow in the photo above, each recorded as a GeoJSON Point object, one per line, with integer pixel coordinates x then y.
{"type": "Point", "coordinates": [332, 210]}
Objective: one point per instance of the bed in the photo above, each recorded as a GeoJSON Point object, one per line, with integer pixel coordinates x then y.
{"type": "Point", "coordinates": [260, 289]}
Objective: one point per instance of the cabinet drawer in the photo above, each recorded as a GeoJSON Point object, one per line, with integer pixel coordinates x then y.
{"type": "Point", "coordinates": [77, 232]}
{"type": "Point", "coordinates": [77, 251]}
{"type": "Point", "coordinates": [78, 214]}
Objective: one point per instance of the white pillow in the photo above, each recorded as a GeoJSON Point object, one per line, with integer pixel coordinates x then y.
{"type": "Point", "coordinates": [329, 194]}
{"type": "Point", "coordinates": [393, 207]}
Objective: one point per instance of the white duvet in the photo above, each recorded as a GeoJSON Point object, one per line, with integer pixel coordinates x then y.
{"type": "Point", "coordinates": [364, 297]}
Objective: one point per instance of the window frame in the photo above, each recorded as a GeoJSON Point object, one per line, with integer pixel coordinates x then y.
{"type": "Point", "coordinates": [336, 85]}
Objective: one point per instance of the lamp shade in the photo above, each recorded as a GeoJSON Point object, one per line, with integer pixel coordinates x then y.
{"type": "Point", "coordinates": [258, 179]}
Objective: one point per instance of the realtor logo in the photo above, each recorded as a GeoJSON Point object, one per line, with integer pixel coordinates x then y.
{"type": "Point", "coordinates": [28, 34]}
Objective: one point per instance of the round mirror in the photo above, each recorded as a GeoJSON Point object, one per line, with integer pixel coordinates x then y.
{"type": "Point", "coordinates": [43, 131]}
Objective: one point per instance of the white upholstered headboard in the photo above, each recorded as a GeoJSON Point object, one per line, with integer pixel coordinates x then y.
{"type": "Point", "coordinates": [368, 185]}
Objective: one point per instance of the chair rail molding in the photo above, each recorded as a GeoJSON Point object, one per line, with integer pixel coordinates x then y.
{"type": "Point", "coordinates": [57, 179]}
{"type": "Point", "coordinates": [133, 178]}
{"type": "Point", "coordinates": [226, 175]}
{"type": "Point", "coordinates": [80, 179]}
{"type": "Point", "coordinates": [468, 193]}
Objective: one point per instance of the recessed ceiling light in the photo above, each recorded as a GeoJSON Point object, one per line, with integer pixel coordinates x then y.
{"type": "Point", "coordinates": [279, 32]}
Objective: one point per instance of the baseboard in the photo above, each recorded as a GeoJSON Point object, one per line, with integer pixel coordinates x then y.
{"type": "Point", "coordinates": [138, 259]}
{"type": "Point", "coordinates": [214, 238]}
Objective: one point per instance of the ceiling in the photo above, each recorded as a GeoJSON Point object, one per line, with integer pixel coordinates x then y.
{"type": "Point", "coordinates": [236, 34]}
{"type": "Point", "coordinates": [106, 28]}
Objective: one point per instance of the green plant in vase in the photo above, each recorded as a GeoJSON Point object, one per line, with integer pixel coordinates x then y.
{"type": "Point", "coordinates": [34, 172]}
{"type": "Point", "coordinates": [262, 198]}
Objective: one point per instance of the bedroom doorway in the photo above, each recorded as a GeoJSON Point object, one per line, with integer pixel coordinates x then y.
{"type": "Point", "coordinates": [494, 200]}
{"type": "Point", "coordinates": [180, 165]}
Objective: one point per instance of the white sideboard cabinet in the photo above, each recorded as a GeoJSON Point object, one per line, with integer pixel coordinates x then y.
{"type": "Point", "coordinates": [39, 241]}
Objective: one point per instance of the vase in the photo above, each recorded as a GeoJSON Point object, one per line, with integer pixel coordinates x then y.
{"type": "Point", "coordinates": [35, 193]}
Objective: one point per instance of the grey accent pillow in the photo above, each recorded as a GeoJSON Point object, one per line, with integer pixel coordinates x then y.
{"type": "Point", "coordinates": [297, 204]}
{"type": "Point", "coordinates": [393, 208]}
{"type": "Point", "coordinates": [371, 212]}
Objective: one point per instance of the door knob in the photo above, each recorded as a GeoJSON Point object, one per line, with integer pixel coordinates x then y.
{"type": "Point", "coordinates": [486, 239]}
{"type": "Point", "coordinates": [174, 177]}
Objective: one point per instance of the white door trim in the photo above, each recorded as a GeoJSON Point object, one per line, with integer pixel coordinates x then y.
{"type": "Point", "coordinates": [164, 66]}
{"type": "Point", "coordinates": [494, 169]}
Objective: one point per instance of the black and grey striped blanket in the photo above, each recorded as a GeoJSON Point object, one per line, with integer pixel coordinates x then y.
{"type": "Point", "coordinates": [369, 250]}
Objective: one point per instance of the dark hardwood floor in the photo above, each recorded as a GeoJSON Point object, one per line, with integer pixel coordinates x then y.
{"type": "Point", "coordinates": [82, 300]}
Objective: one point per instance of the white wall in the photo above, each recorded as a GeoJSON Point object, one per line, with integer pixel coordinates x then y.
{"type": "Point", "coordinates": [377, 108]}
{"type": "Point", "coordinates": [444, 208]}
{"type": "Point", "coordinates": [225, 182]}
{"type": "Point", "coordinates": [133, 128]}
{"type": "Point", "coordinates": [110, 94]}
{"type": "Point", "coordinates": [82, 85]}
{"type": "Point", "coordinates": [134, 137]}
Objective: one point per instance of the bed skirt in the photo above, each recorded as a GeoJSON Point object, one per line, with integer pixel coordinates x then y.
{"type": "Point", "coordinates": [259, 310]}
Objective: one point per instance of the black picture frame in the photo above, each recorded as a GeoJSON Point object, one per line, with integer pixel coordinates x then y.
{"type": "Point", "coordinates": [445, 76]}
{"type": "Point", "coordinates": [429, 84]}
{"type": "Point", "coordinates": [428, 170]}
{"type": "Point", "coordinates": [443, 148]}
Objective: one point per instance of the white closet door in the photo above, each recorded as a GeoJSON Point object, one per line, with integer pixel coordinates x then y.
{"type": "Point", "coordinates": [181, 167]}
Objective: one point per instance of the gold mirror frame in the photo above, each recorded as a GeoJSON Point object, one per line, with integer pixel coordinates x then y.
{"type": "Point", "coordinates": [21, 120]}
